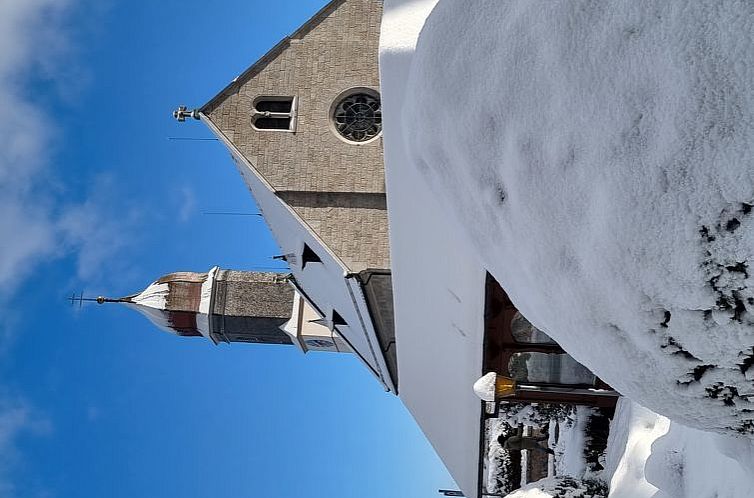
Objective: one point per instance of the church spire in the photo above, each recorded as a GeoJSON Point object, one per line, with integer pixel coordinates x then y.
{"type": "Point", "coordinates": [232, 306]}
{"type": "Point", "coordinates": [221, 305]}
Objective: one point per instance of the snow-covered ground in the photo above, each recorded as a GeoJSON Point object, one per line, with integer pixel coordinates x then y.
{"type": "Point", "coordinates": [596, 158]}
{"type": "Point", "coordinates": [651, 457]}
{"type": "Point", "coordinates": [648, 456]}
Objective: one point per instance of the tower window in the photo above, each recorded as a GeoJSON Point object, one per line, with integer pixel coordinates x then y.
{"type": "Point", "coordinates": [274, 114]}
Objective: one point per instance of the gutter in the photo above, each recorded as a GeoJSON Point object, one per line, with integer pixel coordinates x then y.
{"type": "Point", "coordinates": [369, 333]}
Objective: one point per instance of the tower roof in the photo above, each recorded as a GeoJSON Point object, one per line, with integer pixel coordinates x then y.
{"type": "Point", "coordinates": [178, 303]}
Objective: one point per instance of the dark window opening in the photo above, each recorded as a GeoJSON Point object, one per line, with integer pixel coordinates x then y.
{"type": "Point", "coordinates": [309, 256]}
{"type": "Point", "coordinates": [274, 113]}
{"type": "Point", "coordinates": [274, 105]}
{"type": "Point", "coordinates": [273, 123]}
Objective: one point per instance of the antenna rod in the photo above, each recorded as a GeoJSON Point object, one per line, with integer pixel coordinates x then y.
{"type": "Point", "coordinates": [192, 138]}
{"type": "Point", "coordinates": [230, 213]}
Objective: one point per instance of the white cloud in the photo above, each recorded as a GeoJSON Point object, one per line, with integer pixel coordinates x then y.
{"type": "Point", "coordinates": [92, 413]}
{"type": "Point", "coordinates": [27, 229]}
{"type": "Point", "coordinates": [97, 230]}
{"type": "Point", "coordinates": [31, 40]}
{"type": "Point", "coordinates": [186, 203]}
{"type": "Point", "coordinates": [35, 226]}
{"type": "Point", "coordinates": [16, 418]}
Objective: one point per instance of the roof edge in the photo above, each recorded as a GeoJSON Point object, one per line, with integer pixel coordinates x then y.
{"type": "Point", "coordinates": [271, 54]}
{"type": "Point", "coordinates": [234, 150]}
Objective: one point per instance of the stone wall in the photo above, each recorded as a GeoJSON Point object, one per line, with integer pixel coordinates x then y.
{"type": "Point", "coordinates": [353, 225]}
{"type": "Point", "coordinates": [334, 52]}
{"type": "Point", "coordinates": [253, 294]}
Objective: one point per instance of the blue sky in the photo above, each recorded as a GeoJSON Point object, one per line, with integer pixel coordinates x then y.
{"type": "Point", "coordinates": [95, 401]}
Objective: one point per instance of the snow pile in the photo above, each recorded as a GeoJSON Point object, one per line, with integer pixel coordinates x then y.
{"type": "Point", "coordinates": [562, 487]}
{"type": "Point", "coordinates": [485, 386]}
{"type": "Point", "coordinates": [649, 456]}
{"type": "Point", "coordinates": [632, 433]}
{"type": "Point", "coordinates": [154, 296]}
{"type": "Point", "coordinates": [600, 163]}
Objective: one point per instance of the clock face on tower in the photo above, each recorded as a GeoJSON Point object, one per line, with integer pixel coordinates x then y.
{"type": "Point", "coordinates": [319, 343]}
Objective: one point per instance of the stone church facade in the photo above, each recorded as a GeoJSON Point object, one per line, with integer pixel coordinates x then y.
{"type": "Point", "coordinates": [303, 126]}
{"type": "Point", "coordinates": [337, 186]}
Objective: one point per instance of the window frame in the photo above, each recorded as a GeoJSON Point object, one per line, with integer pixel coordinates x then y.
{"type": "Point", "coordinates": [292, 115]}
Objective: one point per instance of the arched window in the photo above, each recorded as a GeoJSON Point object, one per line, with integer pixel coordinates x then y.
{"type": "Point", "coordinates": [524, 332]}
{"type": "Point", "coordinates": [274, 113]}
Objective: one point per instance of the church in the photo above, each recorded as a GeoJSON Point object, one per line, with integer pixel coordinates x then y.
{"type": "Point", "coordinates": [303, 126]}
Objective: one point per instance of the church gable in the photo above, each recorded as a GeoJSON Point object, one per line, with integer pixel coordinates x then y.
{"type": "Point", "coordinates": [285, 115]}
{"type": "Point", "coordinates": [303, 126]}
{"type": "Point", "coordinates": [300, 82]}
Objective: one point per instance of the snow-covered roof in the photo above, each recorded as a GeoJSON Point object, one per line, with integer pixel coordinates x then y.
{"type": "Point", "coordinates": [597, 158]}
{"type": "Point", "coordinates": [153, 303]}
{"type": "Point", "coordinates": [154, 296]}
{"type": "Point", "coordinates": [600, 164]}
{"type": "Point", "coordinates": [438, 289]}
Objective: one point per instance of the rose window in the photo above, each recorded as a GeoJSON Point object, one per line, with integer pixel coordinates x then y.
{"type": "Point", "coordinates": [358, 117]}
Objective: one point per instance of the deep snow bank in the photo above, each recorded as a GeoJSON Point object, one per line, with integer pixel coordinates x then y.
{"type": "Point", "coordinates": [648, 456]}
{"type": "Point", "coordinates": [598, 155]}
{"type": "Point", "coordinates": [561, 487]}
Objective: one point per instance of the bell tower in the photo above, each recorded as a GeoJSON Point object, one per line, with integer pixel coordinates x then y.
{"type": "Point", "coordinates": [221, 305]}
{"type": "Point", "coordinates": [235, 306]}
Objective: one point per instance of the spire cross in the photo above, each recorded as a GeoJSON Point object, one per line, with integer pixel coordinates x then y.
{"type": "Point", "coordinates": [99, 299]}
{"type": "Point", "coordinates": [182, 113]}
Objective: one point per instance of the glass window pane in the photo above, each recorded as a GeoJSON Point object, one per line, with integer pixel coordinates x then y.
{"type": "Point", "coordinates": [282, 105]}
{"type": "Point", "coordinates": [523, 331]}
{"type": "Point", "coordinates": [273, 123]}
{"type": "Point", "coordinates": [549, 368]}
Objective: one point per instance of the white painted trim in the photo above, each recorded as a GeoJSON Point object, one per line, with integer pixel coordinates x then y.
{"type": "Point", "coordinates": [202, 316]}
{"type": "Point", "coordinates": [291, 326]}
{"type": "Point", "coordinates": [207, 288]}
{"type": "Point", "coordinates": [202, 325]}
{"type": "Point", "coordinates": [237, 153]}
